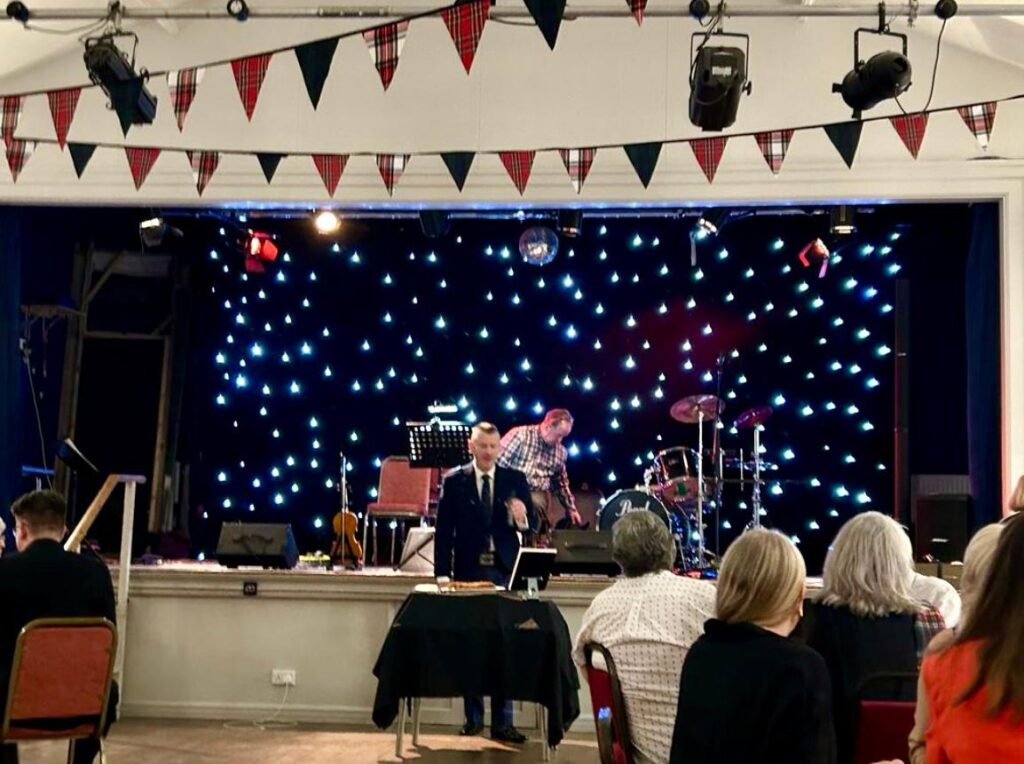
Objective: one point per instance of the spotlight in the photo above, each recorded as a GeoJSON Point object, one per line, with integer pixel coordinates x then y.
{"type": "Point", "coordinates": [238, 10]}
{"type": "Point", "coordinates": [18, 11]}
{"type": "Point", "coordinates": [842, 220]}
{"type": "Point", "coordinates": [699, 8]}
{"type": "Point", "coordinates": [709, 223]}
{"type": "Point", "coordinates": [944, 9]}
{"type": "Point", "coordinates": [718, 77]}
{"type": "Point", "coordinates": [109, 66]}
{"type": "Point", "coordinates": [259, 249]}
{"type": "Point", "coordinates": [327, 222]}
{"type": "Point", "coordinates": [570, 223]}
{"type": "Point", "coordinates": [154, 230]}
{"type": "Point", "coordinates": [435, 223]}
{"type": "Point", "coordinates": [885, 75]}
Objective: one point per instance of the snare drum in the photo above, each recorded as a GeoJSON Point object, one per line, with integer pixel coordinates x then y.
{"type": "Point", "coordinates": [630, 500]}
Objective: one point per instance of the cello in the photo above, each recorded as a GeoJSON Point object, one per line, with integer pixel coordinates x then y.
{"type": "Point", "coordinates": [346, 550]}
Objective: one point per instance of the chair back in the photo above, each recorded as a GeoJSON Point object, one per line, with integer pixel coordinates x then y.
{"type": "Point", "coordinates": [884, 720]}
{"type": "Point", "coordinates": [606, 698]}
{"type": "Point", "coordinates": [402, 488]}
{"type": "Point", "coordinates": [60, 679]}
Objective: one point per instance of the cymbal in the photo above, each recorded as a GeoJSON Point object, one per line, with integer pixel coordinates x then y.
{"type": "Point", "coordinates": [687, 410]}
{"type": "Point", "coordinates": [752, 417]}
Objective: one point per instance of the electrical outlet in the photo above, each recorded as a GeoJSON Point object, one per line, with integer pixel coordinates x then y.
{"type": "Point", "coordinates": [282, 678]}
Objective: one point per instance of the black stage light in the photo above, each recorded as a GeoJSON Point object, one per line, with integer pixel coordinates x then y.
{"type": "Point", "coordinates": [570, 222]}
{"type": "Point", "coordinates": [18, 11]}
{"type": "Point", "coordinates": [718, 77]}
{"type": "Point", "coordinates": [883, 76]}
{"type": "Point", "coordinates": [238, 10]}
{"type": "Point", "coordinates": [699, 8]}
{"type": "Point", "coordinates": [944, 9]}
{"type": "Point", "coordinates": [109, 67]}
{"type": "Point", "coordinates": [435, 223]}
{"type": "Point", "coordinates": [841, 220]}
{"type": "Point", "coordinates": [710, 223]}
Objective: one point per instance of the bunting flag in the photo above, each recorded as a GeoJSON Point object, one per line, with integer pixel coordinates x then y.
{"type": "Point", "coordinates": [18, 153]}
{"type": "Point", "coordinates": [644, 158]}
{"type": "Point", "coordinates": [140, 161]}
{"type": "Point", "coordinates": [774, 144]}
{"type": "Point", "coordinates": [547, 14]}
{"type": "Point", "coordinates": [518, 165]}
{"type": "Point", "coordinates": [708, 152]}
{"type": "Point", "coordinates": [124, 97]}
{"type": "Point", "coordinates": [845, 136]}
{"type": "Point", "coordinates": [315, 62]}
{"type": "Point", "coordinates": [391, 167]}
{"type": "Point", "coordinates": [385, 44]}
{"type": "Point", "coordinates": [458, 164]}
{"type": "Point", "coordinates": [81, 153]}
{"type": "Point", "coordinates": [637, 7]}
{"type": "Point", "coordinates": [330, 167]}
{"type": "Point", "coordinates": [182, 84]}
{"type": "Point", "coordinates": [62, 109]}
{"type": "Point", "coordinates": [577, 163]}
{"type": "Point", "coordinates": [204, 164]}
{"type": "Point", "coordinates": [910, 128]}
{"type": "Point", "coordinates": [249, 73]}
{"type": "Point", "coordinates": [12, 106]}
{"type": "Point", "coordinates": [269, 163]}
{"type": "Point", "coordinates": [465, 23]}
{"type": "Point", "coordinates": [980, 119]}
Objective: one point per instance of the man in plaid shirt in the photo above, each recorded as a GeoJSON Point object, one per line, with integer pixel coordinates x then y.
{"type": "Point", "coordinates": [537, 451]}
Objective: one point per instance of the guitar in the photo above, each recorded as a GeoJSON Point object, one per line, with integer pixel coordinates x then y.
{"type": "Point", "coordinates": [346, 550]}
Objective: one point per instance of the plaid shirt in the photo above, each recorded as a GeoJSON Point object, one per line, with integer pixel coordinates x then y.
{"type": "Point", "coordinates": [523, 449]}
{"type": "Point", "coordinates": [927, 623]}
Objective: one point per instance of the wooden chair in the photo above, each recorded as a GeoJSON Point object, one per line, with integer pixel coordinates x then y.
{"type": "Point", "coordinates": [403, 493]}
{"type": "Point", "coordinates": [613, 737]}
{"type": "Point", "coordinates": [60, 680]}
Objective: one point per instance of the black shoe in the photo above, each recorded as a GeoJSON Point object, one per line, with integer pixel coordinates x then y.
{"type": "Point", "coordinates": [508, 734]}
{"type": "Point", "coordinates": [471, 728]}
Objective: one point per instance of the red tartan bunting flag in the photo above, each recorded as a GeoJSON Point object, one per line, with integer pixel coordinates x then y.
{"type": "Point", "coordinates": [709, 153]}
{"type": "Point", "coordinates": [330, 167]}
{"type": "Point", "coordinates": [774, 144]}
{"type": "Point", "coordinates": [12, 106]}
{"type": "Point", "coordinates": [62, 109]}
{"type": "Point", "coordinates": [637, 7]}
{"type": "Point", "coordinates": [577, 163]}
{"type": "Point", "coordinates": [518, 165]}
{"type": "Point", "coordinates": [18, 153]}
{"type": "Point", "coordinates": [183, 84]}
{"type": "Point", "coordinates": [910, 128]}
{"type": "Point", "coordinates": [385, 44]}
{"type": "Point", "coordinates": [391, 167]}
{"type": "Point", "coordinates": [204, 164]}
{"type": "Point", "coordinates": [140, 161]}
{"type": "Point", "coordinates": [465, 24]}
{"type": "Point", "coordinates": [980, 118]}
{"type": "Point", "coordinates": [249, 73]}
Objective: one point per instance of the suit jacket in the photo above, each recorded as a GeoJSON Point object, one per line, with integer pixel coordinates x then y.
{"type": "Point", "coordinates": [44, 581]}
{"type": "Point", "coordinates": [463, 528]}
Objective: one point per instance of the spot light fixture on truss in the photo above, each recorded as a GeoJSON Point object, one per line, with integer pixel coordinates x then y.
{"type": "Point", "coordinates": [718, 73]}
{"type": "Point", "coordinates": [883, 76]}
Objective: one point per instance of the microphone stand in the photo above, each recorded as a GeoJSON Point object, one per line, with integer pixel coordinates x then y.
{"type": "Point", "coordinates": [716, 454]}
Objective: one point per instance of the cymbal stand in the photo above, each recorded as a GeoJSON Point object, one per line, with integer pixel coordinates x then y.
{"type": "Point", "coordinates": [755, 498]}
{"type": "Point", "coordinates": [700, 487]}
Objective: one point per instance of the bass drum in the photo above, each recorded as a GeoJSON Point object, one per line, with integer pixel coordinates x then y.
{"type": "Point", "coordinates": [630, 500]}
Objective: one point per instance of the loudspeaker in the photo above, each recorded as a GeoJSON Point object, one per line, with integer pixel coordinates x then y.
{"type": "Point", "coordinates": [266, 545]}
{"type": "Point", "coordinates": [942, 526]}
{"type": "Point", "coordinates": [418, 552]}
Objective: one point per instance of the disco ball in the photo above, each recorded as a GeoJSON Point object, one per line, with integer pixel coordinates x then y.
{"type": "Point", "coordinates": [538, 245]}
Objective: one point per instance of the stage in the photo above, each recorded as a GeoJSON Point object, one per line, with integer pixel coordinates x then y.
{"type": "Point", "coordinates": [198, 648]}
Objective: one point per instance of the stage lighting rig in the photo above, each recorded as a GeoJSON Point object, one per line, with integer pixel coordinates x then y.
{"type": "Point", "coordinates": [883, 76]}
{"type": "Point", "coordinates": [326, 222]}
{"type": "Point", "coordinates": [570, 223]}
{"type": "Point", "coordinates": [718, 77]}
{"type": "Point", "coordinates": [114, 71]}
{"type": "Point", "coordinates": [842, 220]}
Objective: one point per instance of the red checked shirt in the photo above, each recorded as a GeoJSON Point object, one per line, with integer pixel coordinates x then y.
{"type": "Point", "coordinates": [523, 449]}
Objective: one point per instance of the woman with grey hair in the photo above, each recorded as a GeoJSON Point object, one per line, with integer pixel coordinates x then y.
{"type": "Point", "coordinates": [647, 620]}
{"type": "Point", "coordinates": [866, 621]}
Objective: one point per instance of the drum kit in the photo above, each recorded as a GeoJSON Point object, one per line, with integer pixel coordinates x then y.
{"type": "Point", "coordinates": [680, 488]}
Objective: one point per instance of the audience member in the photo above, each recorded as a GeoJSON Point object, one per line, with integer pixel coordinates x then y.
{"type": "Point", "coordinates": [977, 561]}
{"type": "Point", "coordinates": [1017, 497]}
{"type": "Point", "coordinates": [866, 622]}
{"type": "Point", "coordinates": [747, 692]}
{"type": "Point", "coordinates": [647, 621]}
{"type": "Point", "coordinates": [44, 581]}
{"type": "Point", "coordinates": [975, 688]}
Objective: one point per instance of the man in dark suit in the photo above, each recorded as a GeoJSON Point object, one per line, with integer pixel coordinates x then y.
{"type": "Point", "coordinates": [482, 510]}
{"type": "Point", "coordinates": [44, 581]}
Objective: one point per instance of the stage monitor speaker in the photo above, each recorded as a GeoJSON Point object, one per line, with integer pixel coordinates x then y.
{"type": "Point", "coordinates": [942, 526]}
{"type": "Point", "coordinates": [418, 552]}
{"type": "Point", "coordinates": [265, 545]}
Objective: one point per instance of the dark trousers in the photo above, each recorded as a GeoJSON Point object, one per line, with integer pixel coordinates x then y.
{"type": "Point", "coordinates": [501, 711]}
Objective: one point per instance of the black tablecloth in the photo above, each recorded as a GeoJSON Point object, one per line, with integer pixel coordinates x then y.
{"type": "Point", "coordinates": [449, 645]}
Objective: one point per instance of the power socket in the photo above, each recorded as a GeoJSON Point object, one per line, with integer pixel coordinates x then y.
{"type": "Point", "coordinates": [282, 677]}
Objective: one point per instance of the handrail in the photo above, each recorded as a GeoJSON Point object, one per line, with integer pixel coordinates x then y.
{"type": "Point", "coordinates": [77, 536]}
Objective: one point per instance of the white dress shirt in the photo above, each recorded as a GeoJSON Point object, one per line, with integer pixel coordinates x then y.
{"type": "Point", "coordinates": [648, 624]}
{"type": "Point", "coordinates": [939, 594]}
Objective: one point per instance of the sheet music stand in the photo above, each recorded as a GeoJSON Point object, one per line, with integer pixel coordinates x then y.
{"type": "Point", "coordinates": [438, 444]}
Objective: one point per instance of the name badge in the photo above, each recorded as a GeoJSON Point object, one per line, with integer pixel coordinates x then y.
{"type": "Point", "coordinates": [487, 559]}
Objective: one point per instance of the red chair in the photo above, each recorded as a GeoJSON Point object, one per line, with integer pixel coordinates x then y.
{"type": "Point", "coordinates": [60, 680]}
{"type": "Point", "coordinates": [883, 726]}
{"type": "Point", "coordinates": [403, 493]}
{"type": "Point", "coordinates": [613, 738]}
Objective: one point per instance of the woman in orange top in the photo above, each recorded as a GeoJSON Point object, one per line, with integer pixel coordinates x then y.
{"type": "Point", "coordinates": [975, 688]}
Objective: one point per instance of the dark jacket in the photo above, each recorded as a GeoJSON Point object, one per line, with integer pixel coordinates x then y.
{"type": "Point", "coordinates": [748, 695]}
{"type": "Point", "coordinates": [464, 530]}
{"type": "Point", "coordinates": [44, 581]}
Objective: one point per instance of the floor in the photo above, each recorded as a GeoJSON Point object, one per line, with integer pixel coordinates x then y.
{"type": "Point", "coordinates": [184, 742]}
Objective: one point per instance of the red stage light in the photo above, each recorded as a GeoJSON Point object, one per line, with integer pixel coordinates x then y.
{"type": "Point", "coordinates": [262, 246]}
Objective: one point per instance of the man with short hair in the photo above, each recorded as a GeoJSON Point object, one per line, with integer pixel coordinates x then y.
{"type": "Point", "coordinates": [536, 450]}
{"type": "Point", "coordinates": [44, 581]}
{"type": "Point", "coordinates": [482, 509]}
{"type": "Point", "coordinates": [647, 621]}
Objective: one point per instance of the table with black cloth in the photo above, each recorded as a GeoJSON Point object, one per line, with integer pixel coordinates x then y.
{"type": "Point", "coordinates": [450, 645]}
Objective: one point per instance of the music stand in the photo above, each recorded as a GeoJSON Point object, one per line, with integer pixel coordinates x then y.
{"type": "Point", "coordinates": [76, 463]}
{"type": "Point", "coordinates": [532, 571]}
{"type": "Point", "coordinates": [438, 444]}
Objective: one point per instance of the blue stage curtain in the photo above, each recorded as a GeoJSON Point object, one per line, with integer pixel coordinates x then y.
{"type": "Point", "coordinates": [984, 409]}
{"type": "Point", "coordinates": [11, 372]}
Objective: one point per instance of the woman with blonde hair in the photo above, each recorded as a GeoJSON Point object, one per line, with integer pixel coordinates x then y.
{"type": "Point", "coordinates": [866, 623]}
{"type": "Point", "coordinates": [747, 692]}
